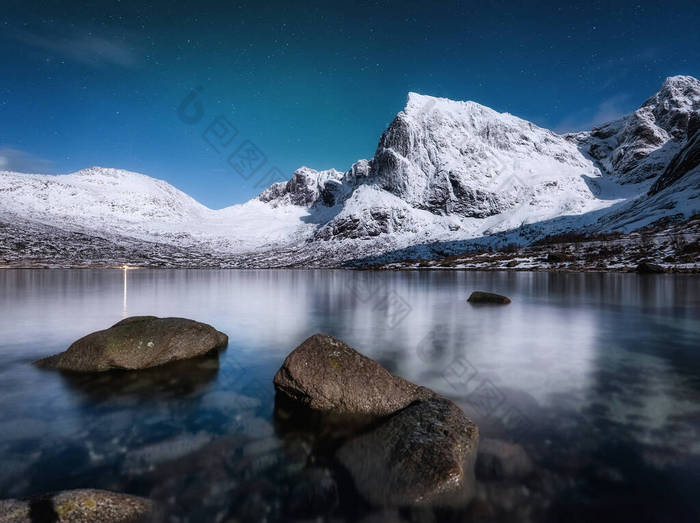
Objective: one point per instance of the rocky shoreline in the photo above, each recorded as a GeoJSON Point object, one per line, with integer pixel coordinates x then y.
{"type": "Point", "coordinates": [674, 247]}
{"type": "Point", "coordinates": [374, 435]}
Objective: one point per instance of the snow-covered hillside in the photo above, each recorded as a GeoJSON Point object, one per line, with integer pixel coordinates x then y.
{"type": "Point", "coordinates": [445, 173]}
{"type": "Point", "coordinates": [108, 202]}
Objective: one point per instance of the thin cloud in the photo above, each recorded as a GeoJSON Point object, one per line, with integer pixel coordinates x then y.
{"type": "Point", "coordinates": [586, 119]}
{"type": "Point", "coordinates": [17, 160]}
{"type": "Point", "coordinates": [84, 47]}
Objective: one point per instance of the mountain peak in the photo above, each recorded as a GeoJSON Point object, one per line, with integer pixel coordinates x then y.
{"type": "Point", "coordinates": [677, 91]}
{"type": "Point", "coordinates": [415, 101]}
{"type": "Point", "coordinates": [418, 104]}
{"type": "Point", "coordinates": [681, 81]}
{"type": "Point", "coordinates": [96, 170]}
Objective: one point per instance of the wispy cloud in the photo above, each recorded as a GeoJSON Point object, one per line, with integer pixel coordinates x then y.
{"type": "Point", "coordinates": [12, 159]}
{"type": "Point", "coordinates": [83, 47]}
{"type": "Point", "coordinates": [588, 118]}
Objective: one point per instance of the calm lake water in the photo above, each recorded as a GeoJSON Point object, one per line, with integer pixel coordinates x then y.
{"type": "Point", "coordinates": [596, 376]}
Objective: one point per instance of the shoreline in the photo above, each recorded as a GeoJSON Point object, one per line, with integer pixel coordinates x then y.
{"type": "Point", "coordinates": [407, 268]}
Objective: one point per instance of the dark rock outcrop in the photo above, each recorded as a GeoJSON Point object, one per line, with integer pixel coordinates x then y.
{"type": "Point", "coordinates": [687, 159]}
{"type": "Point", "coordinates": [83, 506]}
{"type": "Point", "coordinates": [646, 267]}
{"type": "Point", "coordinates": [326, 375]}
{"type": "Point", "coordinates": [488, 297]}
{"type": "Point", "coordinates": [636, 147]}
{"type": "Point", "coordinates": [423, 455]}
{"type": "Point", "coordinates": [559, 257]}
{"type": "Point", "coordinates": [139, 342]}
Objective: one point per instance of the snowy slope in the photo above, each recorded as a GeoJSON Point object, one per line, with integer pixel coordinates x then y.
{"type": "Point", "coordinates": [464, 158]}
{"type": "Point", "coordinates": [116, 202]}
{"type": "Point", "coordinates": [444, 173]}
{"type": "Point", "coordinates": [639, 146]}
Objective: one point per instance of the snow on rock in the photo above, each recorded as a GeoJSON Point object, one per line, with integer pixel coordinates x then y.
{"type": "Point", "coordinates": [445, 175]}
{"type": "Point", "coordinates": [466, 159]}
{"type": "Point", "coordinates": [685, 161]}
{"type": "Point", "coordinates": [639, 146]}
{"type": "Point", "coordinates": [305, 188]}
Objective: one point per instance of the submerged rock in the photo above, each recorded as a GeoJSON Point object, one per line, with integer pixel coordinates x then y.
{"type": "Point", "coordinates": [325, 375]}
{"type": "Point", "coordinates": [423, 455]}
{"type": "Point", "coordinates": [145, 458]}
{"type": "Point", "coordinates": [79, 506]}
{"type": "Point", "coordinates": [646, 267]}
{"type": "Point", "coordinates": [500, 459]}
{"type": "Point", "coordinates": [139, 342]}
{"type": "Point", "coordinates": [314, 493]}
{"type": "Point", "coordinates": [487, 297]}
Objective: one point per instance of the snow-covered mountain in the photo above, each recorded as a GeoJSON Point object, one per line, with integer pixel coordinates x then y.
{"type": "Point", "coordinates": [445, 173]}
{"type": "Point", "coordinates": [639, 146]}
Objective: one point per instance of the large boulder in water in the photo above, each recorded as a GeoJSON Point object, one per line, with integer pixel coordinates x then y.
{"type": "Point", "coordinates": [414, 448]}
{"type": "Point", "coordinates": [139, 342]}
{"type": "Point", "coordinates": [325, 375]}
{"type": "Point", "coordinates": [83, 506]}
{"type": "Point", "coordinates": [422, 455]}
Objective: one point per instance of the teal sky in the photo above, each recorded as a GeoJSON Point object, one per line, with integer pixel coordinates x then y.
{"type": "Point", "coordinates": [312, 84]}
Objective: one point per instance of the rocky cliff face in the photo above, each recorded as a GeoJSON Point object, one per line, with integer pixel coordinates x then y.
{"type": "Point", "coordinates": [466, 159]}
{"type": "Point", "coordinates": [639, 146]}
{"type": "Point", "coordinates": [684, 162]}
{"type": "Point", "coordinates": [305, 188]}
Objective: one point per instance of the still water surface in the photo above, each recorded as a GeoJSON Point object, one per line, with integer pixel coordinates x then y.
{"type": "Point", "coordinates": [596, 376]}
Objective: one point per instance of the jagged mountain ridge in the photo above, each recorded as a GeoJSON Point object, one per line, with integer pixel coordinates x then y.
{"type": "Point", "coordinates": [639, 146]}
{"type": "Point", "coordinates": [444, 172]}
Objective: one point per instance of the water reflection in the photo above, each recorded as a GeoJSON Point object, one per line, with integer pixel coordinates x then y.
{"type": "Point", "coordinates": [178, 379]}
{"type": "Point", "coordinates": [597, 376]}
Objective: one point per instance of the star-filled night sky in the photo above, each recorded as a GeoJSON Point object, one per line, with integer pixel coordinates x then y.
{"type": "Point", "coordinates": [308, 83]}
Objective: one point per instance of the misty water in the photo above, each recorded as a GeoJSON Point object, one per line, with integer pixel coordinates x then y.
{"type": "Point", "coordinates": [597, 376]}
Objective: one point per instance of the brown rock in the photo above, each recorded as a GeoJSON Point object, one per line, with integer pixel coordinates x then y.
{"type": "Point", "coordinates": [78, 506]}
{"type": "Point", "coordinates": [325, 375]}
{"type": "Point", "coordinates": [139, 342]}
{"type": "Point", "coordinates": [423, 455]}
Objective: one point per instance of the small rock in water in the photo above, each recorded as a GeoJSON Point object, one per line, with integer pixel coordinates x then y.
{"type": "Point", "coordinates": [139, 342]}
{"type": "Point", "coordinates": [249, 425]}
{"type": "Point", "coordinates": [326, 375]}
{"type": "Point", "coordinates": [142, 459]}
{"type": "Point", "coordinates": [229, 401]}
{"type": "Point", "coordinates": [78, 506]}
{"type": "Point", "coordinates": [500, 459]}
{"type": "Point", "coordinates": [314, 493]}
{"type": "Point", "coordinates": [488, 297]}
